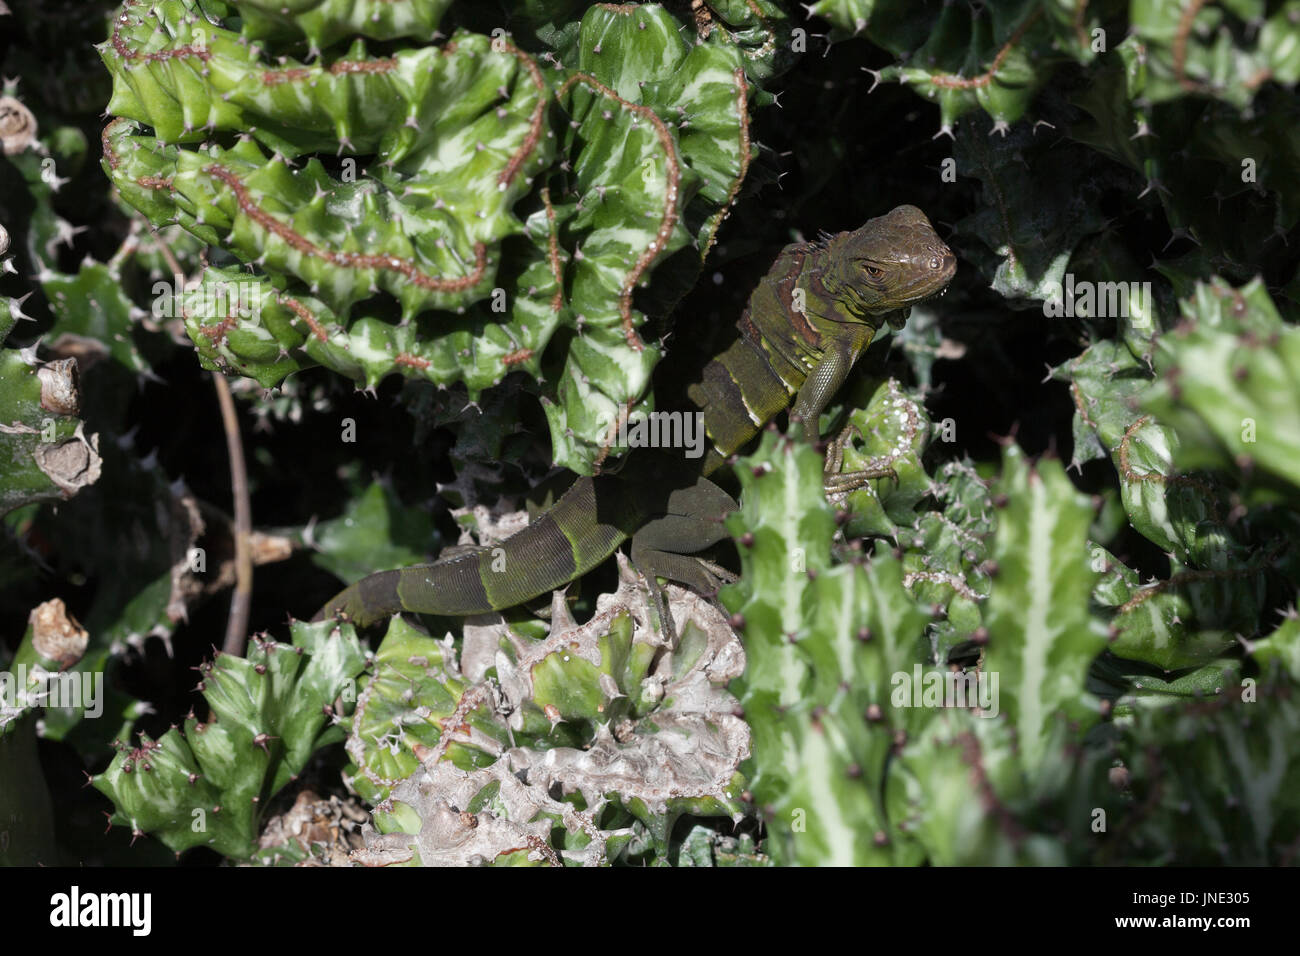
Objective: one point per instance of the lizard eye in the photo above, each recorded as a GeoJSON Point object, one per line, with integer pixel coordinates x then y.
{"type": "Point", "coordinates": [873, 271]}
{"type": "Point", "coordinates": [935, 262]}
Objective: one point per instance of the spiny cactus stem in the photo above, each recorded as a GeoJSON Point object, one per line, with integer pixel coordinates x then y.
{"type": "Point", "coordinates": [669, 218]}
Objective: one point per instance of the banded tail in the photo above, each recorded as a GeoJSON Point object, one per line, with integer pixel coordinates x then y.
{"type": "Point", "coordinates": [590, 520]}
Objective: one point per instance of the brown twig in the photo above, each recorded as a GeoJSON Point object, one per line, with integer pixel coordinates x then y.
{"type": "Point", "coordinates": [237, 624]}
{"type": "Point", "coordinates": [240, 600]}
{"type": "Point", "coordinates": [172, 262]}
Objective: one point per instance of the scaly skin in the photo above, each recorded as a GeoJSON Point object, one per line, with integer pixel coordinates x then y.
{"type": "Point", "coordinates": [849, 286]}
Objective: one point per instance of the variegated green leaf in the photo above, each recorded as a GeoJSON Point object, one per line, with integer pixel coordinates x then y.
{"type": "Point", "coordinates": [1041, 636]}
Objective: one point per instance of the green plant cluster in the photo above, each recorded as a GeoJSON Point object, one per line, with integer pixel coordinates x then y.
{"type": "Point", "coordinates": [634, 735]}
{"type": "Point", "coordinates": [864, 755]}
{"type": "Point", "coordinates": [472, 236]}
{"type": "Point", "coordinates": [268, 712]}
{"type": "Point", "coordinates": [519, 195]}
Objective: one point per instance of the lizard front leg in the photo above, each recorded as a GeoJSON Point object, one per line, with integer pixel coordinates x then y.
{"type": "Point", "coordinates": [815, 394]}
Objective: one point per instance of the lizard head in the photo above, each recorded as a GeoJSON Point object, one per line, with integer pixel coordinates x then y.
{"type": "Point", "coordinates": [892, 262]}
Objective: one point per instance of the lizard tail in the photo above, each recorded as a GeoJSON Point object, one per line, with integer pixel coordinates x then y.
{"type": "Point", "coordinates": [589, 521]}
{"type": "Point", "coordinates": [369, 600]}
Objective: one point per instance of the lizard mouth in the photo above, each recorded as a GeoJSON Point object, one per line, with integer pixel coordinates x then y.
{"type": "Point", "coordinates": [933, 281]}
{"type": "Point", "coordinates": [924, 296]}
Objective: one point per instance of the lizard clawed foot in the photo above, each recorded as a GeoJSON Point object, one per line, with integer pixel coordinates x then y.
{"type": "Point", "coordinates": [835, 482]}
{"type": "Point", "coordinates": [699, 574]}
{"type": "Point", "coordinates": [717, 575]}
{"type": "Point", "coordinates": [668, 546]}
{"type": "Point", "coordinates": [844, 482]}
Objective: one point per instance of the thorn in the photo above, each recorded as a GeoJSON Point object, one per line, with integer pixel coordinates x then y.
{"type": "Point", "coordinates": [15, 309]}
{"type": "Point", "coordinates": [1153, 183]}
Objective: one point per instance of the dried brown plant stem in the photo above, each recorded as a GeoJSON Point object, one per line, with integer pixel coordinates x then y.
{"type": "Point", "coordinates": [240, 600]}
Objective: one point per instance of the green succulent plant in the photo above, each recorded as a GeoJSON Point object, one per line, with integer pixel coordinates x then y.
{"type": "Point", "coordinates": [268, 713]}
{"type": "Point", "coordinates": [633, 733]}
{"type": "Point", "coordinates": [512, 222]}
{"type": "Point", "coordinates": [584, 178]}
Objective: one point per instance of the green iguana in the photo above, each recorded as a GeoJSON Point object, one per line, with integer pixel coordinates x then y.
{"type": "Point", "coordinates": [810, 318]}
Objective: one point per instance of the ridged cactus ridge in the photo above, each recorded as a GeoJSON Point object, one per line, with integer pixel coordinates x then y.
{"type": "Point", "coordinates": [442, 210]}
